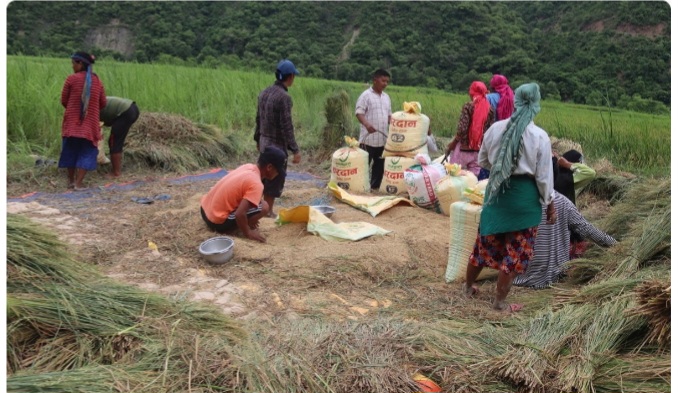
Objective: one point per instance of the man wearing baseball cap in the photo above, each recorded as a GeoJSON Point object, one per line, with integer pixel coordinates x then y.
{"type": "Point", "coordinates": [274, 125]}
{"type": "Point", "coordinates": [235, 202]}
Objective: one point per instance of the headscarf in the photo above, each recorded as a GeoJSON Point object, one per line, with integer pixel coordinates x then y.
{"type": "Point", "coordinates": [499, 83]}
{"type": "Point", "coordinates": [564, 180]}
{"type": "Point", "coordinates": [527, 106]}
{"type": "Point", "coordinates": [88, 61]}
{"type": "Point", "coordinates": [481, 108]}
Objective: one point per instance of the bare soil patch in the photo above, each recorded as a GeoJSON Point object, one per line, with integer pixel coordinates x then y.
{"type": "Point", "coordinates": [294, 274]}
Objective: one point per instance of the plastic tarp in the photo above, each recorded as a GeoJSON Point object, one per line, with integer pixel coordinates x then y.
{"type": "Point", "coordinates": [327, 229]}
{"type": "Point", "coordinates": [370, 204]}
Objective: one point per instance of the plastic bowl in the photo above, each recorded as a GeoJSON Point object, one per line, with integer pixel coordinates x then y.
{"type": "Point", "coordinates": [217, 250]}
{"type": "Point", "coordinates": [327, 211]}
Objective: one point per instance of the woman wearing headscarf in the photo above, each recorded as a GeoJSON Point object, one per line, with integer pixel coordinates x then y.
{"type": "Point", "coordinates": [518, 155]}
{"type": "Point", "coordinates": [476, 117]}
{"type": "Point", "coordinates": [570, 176]}
{"type": "Point", "coordinates": [573, 175]}
{"type": "Point", "coordinates": [501, 99]}
{"type": "Point", "coordinates": [83, 97]}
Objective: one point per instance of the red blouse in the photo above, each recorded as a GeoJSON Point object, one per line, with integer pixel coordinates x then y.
{"type": "Point", "coordinates": [89, 127]}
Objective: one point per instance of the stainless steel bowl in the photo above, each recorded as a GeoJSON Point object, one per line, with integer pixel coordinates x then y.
{"type": "Point", "coordinates": [217, 250]}
{"type": "Point", "coordinates": [327, 211]}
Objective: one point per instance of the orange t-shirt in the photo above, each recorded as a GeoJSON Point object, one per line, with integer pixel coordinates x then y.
{"type": "Point", "coordinates": [225, 197]}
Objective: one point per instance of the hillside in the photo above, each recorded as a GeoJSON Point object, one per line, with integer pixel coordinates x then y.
{"type": "Point", "coordinates": [582, 52]}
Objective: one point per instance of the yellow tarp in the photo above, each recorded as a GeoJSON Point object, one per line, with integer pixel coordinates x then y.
{"type": "Point", "coordinates": [373, 205]}
{"type": "Point", "coordinates": [322, 226]}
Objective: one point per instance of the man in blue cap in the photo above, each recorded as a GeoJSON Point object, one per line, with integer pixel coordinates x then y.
{"type": "Point", "coordinates": [274, 125]}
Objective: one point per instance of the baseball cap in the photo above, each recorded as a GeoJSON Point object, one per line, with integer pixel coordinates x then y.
{"type": "Point", "coordinates": [286, 67]}
{"type": "Point", "coordinates": [274, 156]}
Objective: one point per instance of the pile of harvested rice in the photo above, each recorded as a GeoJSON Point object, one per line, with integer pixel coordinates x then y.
{"type": "Point", "coordinates": [654, 304]}
{"type": "Point", "coordinates": [174, 143]}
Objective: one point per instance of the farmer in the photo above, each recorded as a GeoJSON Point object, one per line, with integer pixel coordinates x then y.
{"type": "Point", "coordinates": [518, 155]}
{"type": "Point", "coordinates": [572, 174]}
{"type": "Point", "coordinates": [119, 114]}
{"type": "Point", "coordinates": [501, 99]}
{"type": "Point", "coordinates": [235, 202]}
{"type": "Point", "coordinates": [83, 96]}
{"type": "Point", "coordinates": [373, 110]}
{"type": "Point", "coordinates": [476, 117]}
{"type": "Point", "coordinates": [275, 128]}
{"type": "Point", "coordinates": [552, 246]}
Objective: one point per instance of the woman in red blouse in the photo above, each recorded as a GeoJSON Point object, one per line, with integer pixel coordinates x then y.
{"type": "Point", "coordinates": [83, 97]}
{"type": "Point", "coordinates": [476, 117]}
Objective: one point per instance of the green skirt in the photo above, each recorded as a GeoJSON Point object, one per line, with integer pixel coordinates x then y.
{"type": "Point", "coordinates": [515, 209]}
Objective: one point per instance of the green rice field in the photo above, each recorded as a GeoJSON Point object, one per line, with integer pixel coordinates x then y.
{"type": "Point", "coordinates": [634, 142]}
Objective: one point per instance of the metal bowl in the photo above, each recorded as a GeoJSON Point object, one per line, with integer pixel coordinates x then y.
{"type": "Point", "coordinates": [217, 250]}
{"type": "Point", "coordinates": [327, 211]}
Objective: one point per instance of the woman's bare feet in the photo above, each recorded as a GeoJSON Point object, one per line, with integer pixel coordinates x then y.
{"type": "Point", "coordinates": [507, 307]}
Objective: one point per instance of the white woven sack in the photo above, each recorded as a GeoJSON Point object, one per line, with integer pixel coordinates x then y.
{"type": "Point", "coordinates": [464, 222]}
{"type": "Point", "coordinates": [407, 135]}
{"type": "Point", "coordinates": [350, 169]}
{"type": "Point", "coordinates": [393, 182]}
{"type": "Point", "coordinates": [420, 181]}
{"type": "Point", "coordinates": [450, 189]}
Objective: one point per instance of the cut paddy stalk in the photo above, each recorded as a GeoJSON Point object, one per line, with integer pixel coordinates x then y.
{"type": "Point", "coordinates": [598, 343]}
{"type": "Point", "coordinates": [530, 361]}
{"type": "Point", "coordinates": [654, 304]}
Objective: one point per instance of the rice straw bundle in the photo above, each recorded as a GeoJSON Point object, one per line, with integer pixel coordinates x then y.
{"type": "Point", "coordinates": [654, 304]}
{"type": "Point", "coordinates": [583, 270]}
{"type": "Point", "coordinates": [58, 321]}
{"type": "Point", "coordinates": [610, 187]}
{"type": "Point", "coordinates": [174, 143]}
{"type": "Point", "coordinates": [654, 239]}
{"type": "Point", "coordinates": [454, 348]}
{"type": "Point", "coordinates": [563, 145]}
{"type": "Point", "coordinates": [530, 362]}
{"type": "Point", "coordinates": [641, 200]}
{"type": "Point", "coordinates": [34, 253]}
{"type": "Point", "coordinates": [96, 379]}
{"type": "Point", "coordinates": [339, 121]}
{"type": "Point", "coordinates": [596, 293]}
{"type": "Point", "coordinates": [460, 342]}
{"type": "Point", "coordinates": [314, 355]}
{"type": "Point", "coordinates": [609, 328]}
{"type": "Point", "coordinates": [635, 374]}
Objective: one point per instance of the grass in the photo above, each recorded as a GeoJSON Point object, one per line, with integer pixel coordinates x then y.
{"type": "Point", "coordinates": [227, 99]}
{"type": "Point", "coordinates": [71, 329]}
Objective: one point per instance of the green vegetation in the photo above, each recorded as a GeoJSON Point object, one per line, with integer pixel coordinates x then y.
{"type": "Point", "coordinates": [615, 53]}
{"type": "Point", "coordinates": [69, 329]}
{"type": "Point", "coordinates": [227, 99]}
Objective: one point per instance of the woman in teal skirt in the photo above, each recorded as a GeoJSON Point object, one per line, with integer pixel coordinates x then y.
{"type": "Point", "coordinates": [518, 155]}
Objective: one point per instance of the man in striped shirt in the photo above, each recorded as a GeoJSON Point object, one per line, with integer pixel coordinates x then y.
{"type": "Point", "coordinates": [373, 110]}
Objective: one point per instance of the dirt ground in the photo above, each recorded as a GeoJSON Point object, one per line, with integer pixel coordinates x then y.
{"type": "Point", "coordinates": [295, 274]}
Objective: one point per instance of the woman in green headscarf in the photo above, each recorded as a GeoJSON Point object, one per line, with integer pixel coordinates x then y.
{"type": "Point", "coordinates": [518, 155]}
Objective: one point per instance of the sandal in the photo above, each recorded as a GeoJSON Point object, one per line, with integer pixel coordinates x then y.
{"type": "Point", "coordinates": [511, 308]}
{"type": "Point", "coordinates": [471, 291]}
